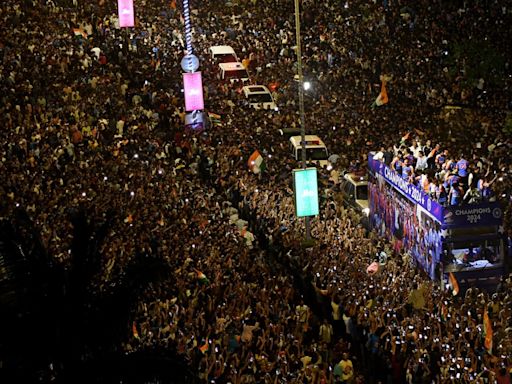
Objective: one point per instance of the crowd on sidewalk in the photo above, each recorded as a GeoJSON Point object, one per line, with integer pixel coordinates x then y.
{"type": "Point", "coordinates": [93, 119]}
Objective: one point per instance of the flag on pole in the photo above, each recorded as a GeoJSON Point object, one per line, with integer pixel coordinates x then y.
{"type": "Point", "coordinates": [454, 284]}
{"type": "Point", "coordinates": [487, 332]}
{"type": "Point", "coordinates": [256, 163]}
{"type": "Point", "coordinates": [444, 312]}
{"type": "Point", "coordinates": [134, 331]}
{"type": "Point", "coordinates": [79, 33]}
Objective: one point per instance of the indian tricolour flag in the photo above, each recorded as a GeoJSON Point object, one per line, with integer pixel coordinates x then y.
{"type": "Point", "coordinates": [256, 163]}
{"type": "Point", "coordinates": [205, 347]}
{"type": "Point", "coordinates": [201, 277]}
{"type": "Point", "coordinates": [383, 95]}
{"type": "Point", "coordinates": [80, 33]}
{"type": "Point", "coordinates": [454, 284]}
{"type": "Point", "coordinates": [214, 118]}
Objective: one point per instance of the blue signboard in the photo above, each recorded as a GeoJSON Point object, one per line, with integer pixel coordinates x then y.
{"type": "Point", "coordinates": [487, 214]}
{"type": "Point", "coordinates": [413, 193]}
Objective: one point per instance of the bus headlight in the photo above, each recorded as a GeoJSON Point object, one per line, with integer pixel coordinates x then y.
{"type": "Point", "coordinates": [366, 211]}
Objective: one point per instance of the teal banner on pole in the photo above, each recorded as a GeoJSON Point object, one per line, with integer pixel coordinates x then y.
{"type": "Point", "coordinates": [305, 185]}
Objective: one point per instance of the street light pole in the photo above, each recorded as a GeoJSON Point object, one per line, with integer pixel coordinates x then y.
{"type": "Point", "coordinates": [301, 103]}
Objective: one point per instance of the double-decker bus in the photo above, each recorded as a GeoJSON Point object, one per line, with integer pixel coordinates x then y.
{"type": "Point", "coordinates": [466, 240]}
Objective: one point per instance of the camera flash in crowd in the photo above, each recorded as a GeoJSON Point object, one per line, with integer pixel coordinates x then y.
{"type": "Point", "coordinates": [136, 156]}
{"type": "Point", "coordinates": [105, 178]}
{"type": "Point", "coordinates": [83, 194]}
{"type": "Point", "coordinates": [132, 193]}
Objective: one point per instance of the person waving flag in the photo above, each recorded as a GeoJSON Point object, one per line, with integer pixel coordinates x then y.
{"type": "Point", "coordinates": [454, 284]}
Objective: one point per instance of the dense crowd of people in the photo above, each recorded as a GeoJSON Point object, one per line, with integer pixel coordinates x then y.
{"type": "Point", "coordinates": [449, 180]}
{"type": "Point", "coordinates": [93, 120]}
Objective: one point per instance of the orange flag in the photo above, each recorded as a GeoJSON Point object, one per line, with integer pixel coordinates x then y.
{"type": "Point", "coordinates": [383, 95]}
{"type": "Point", "coordinates": [204, 348]}
{"type": "Point", "coordinates": [454, 284]}
{"type": "Point", "coordinates": [134, 331]}
{"type": "Point", "coordinates": [488, 332]}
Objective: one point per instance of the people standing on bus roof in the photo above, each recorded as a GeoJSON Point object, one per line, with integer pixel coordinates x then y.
{"type": "Point", "coordinates": [388, 156]}
{"type": "Point", "coordinates": [421, 161]}
{"type": "Point", "coordinates": [410, 157]}
{"type": "Point", "coordinates": [455, 195]}
{"type": "Point", "coordinates": [396, 164]}
{"type": "Point", "coordinates": [441, 158]}
{"type": "Point", "coordinates": [379, 155]}
{"type": "Point", "coordinates": [442, 196]}
{"type": "Point", "coordinates": [484, 186]}
{"type": "Point", "coordinates": [415, 147]}
{"type": "Point", "coordinates": [407, 170]}
{"type": "Point", "coordinates": [462, 169]}
{"type": "Point", "coordinates": [432, 155]}
{"type": "Point", "coordinates": [472, 195]}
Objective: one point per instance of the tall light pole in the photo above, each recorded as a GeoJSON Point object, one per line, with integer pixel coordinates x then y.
{"type": "Point", "coordinates": [192, 81]}
{"type": "Point", "coordinates": [301, 104]}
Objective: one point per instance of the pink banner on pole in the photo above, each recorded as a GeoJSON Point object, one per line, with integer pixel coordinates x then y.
{"type": "Point", "coordinates": [193, 86]}
{"type": "Point", "coordinates": [126, 18]}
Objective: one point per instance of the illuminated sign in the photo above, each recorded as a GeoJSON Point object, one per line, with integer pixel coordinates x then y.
{"type": "Point", "coordinates": [193, 86]}
{"type": "Point", "coordinates": [125, 10]}
{"type": "Point", "coordinates": [305, 185]}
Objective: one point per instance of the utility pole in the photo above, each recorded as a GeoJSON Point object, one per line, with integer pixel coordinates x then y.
{"type": "Point", "coordinates": [301, 104]}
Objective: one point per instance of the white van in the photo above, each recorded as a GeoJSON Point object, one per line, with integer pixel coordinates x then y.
{"type": "Point", "coordinates": [259, 97]}
{"type": "Point", "coordinates": [233, 72]}
{"type": "Point", "coordinates": [316, 151]}
{"type": "Point", "coordinates": [223, 53]}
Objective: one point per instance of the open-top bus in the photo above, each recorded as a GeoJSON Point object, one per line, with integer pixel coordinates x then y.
{"type": "Point", "coordinates": [466, 240]}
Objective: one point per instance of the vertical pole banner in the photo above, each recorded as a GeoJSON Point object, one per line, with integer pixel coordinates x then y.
{"type": "Point", "coordinates": [305, 185]}
{"type": "Point", "coordinates": [193, 87]}
{"type": "Point", "coordinates": [125, 10]}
